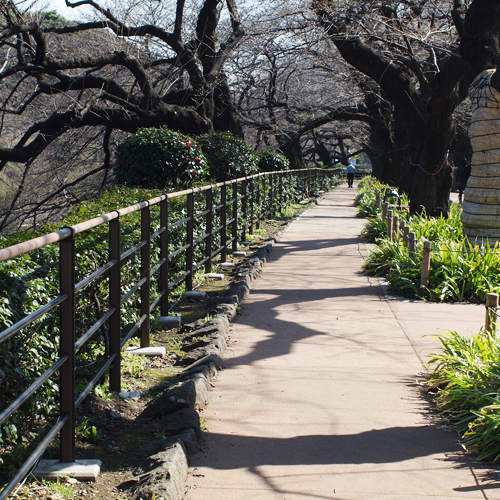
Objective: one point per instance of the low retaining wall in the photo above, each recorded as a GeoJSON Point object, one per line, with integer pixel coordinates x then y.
{"type": "Point", "coordinates": [163, 474]}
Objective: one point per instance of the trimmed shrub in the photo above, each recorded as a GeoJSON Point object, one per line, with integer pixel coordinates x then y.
{"type": "Point", "coordinates": [228, 157]}
{"type": "Point", "coordinates": [157, 157]}
{"type": "Point", "coordinates": [271, 161]}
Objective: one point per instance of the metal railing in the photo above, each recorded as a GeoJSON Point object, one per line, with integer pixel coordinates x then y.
{"type": "Point", "coordinates": [243, 204]}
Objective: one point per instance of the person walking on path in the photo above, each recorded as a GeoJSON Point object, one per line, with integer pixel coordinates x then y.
{"type": "Point", "coordinates": [350, 171]}
{"type": "Point", "coordinates": [463, 174]}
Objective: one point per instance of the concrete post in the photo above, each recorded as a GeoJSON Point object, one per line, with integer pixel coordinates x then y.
{"type": "Point", "coordinates": [411, 244]}
{"type": "Point", "coordinates": [385, 208]}
{"type": "Point", "coordinates": [395, 227]}
{"type": "Point", "coordinates": [406, 235]}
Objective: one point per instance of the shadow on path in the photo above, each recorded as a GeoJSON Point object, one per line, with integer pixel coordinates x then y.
{"type": "Point", "coordinates": [378, 446]}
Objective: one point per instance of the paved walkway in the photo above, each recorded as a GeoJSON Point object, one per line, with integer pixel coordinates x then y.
{"type": "Point", "coordinates": [319, 398]}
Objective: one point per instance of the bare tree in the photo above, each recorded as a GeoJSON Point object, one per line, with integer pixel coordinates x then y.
{"type": "Point", "coordinates": [139, 65]}
{"type": "Point", "coordinates": [409, 50]}
{"type": "Point", "coordinates": [289, 84]}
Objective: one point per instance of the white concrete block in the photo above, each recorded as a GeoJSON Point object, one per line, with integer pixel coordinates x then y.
{"type": "Point", "coordinates": [228, 264]}
{"type": "Point", "coordinates": [83, 470]}
{"type": "Point", "coordinates": [147, 351]}
{"type": "Point", "coordinates": [214, 276]}
{"type": "Point", "coordinates": [130, 395]}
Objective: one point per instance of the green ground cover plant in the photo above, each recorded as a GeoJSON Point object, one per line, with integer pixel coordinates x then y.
{"type": "Point", "coordinates": [465, 388]}
{"type": "Point", "coordinates": [460, 270]}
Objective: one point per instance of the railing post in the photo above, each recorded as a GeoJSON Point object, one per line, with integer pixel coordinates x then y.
{"type": "Point", "coordinates": [257, 200]}
{"type": "Point", "coordinates": [395, 227]}
{"type": "Point", "coordinates": [234, 226]}
{"type": "Point", "coordinates": [263, 208]}
{"type": "Point", "coordinates": [411, 244]}
{"type": "Point", "coordinates": [491, 309]}
{"type": "Point", "coordinates": [244, 208]}
{"type": "Point", "coordinates": [114, 302]}
{"type": "Point", "coordinates": [282, 201]}
{"type": "Point", "coordinates": [209, 227]}
{"type": "Point", "coordinates": [272, 213]}
{"type": "Point", "coordinates": [145, 273]}
{"type": "Point", "coordinates": [252, 204]}
{"type": "Point", "coordinates": [426, 262]}
{"type": "Point", "coordinates": [406, 231]}
{"type": "Point", "coordinates": [67, 347]}
{"type": "Point", "coordinates": [223, 223]}
{"type": "Point", "coordinates": [190, 241]}
{"type": "Point", "coordinates": [389, 225]}
{"type": "Point", "coordinates": [289, 178]}
{"type": "Point", "coordinates": [165, 268]}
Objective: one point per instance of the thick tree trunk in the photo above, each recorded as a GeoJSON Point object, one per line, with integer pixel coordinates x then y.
{"type": "Point", "coordinates": [226, 117]}
{"type": "Point", "coordinates": [431, 191]}
{"type": "Point", "coordinates": [481, 211]}
{"type": "Point", "coordinates": [292, 149]}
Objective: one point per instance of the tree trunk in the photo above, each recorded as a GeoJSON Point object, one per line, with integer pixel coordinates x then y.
{"type": "Point", "coordinates": [291, 148]}
{"type": "Point", "coordinates": [226, 117]}
{"type": "Point", "coordinates": [481, 208]}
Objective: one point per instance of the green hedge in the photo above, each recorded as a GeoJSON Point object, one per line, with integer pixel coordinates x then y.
{"type": "Point", "coordinates": [157, 158]}
{"type": "Point", "coordinates": [228, 157]}
{"type": "Point", "coordinates": [272, 161]}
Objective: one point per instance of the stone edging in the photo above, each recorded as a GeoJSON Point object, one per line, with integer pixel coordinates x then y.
{"type": "Point", "coordinates": [162, 476]}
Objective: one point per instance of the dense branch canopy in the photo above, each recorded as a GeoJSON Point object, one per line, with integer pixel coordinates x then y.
{"type": "Point", "coordinates": [113, 74]}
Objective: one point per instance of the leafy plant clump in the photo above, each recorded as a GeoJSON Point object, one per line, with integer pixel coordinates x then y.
{"type": "Point", "coordinates": [366, 197]}
{"type": "Point", "coordinates": [460, 270]}
{"type": "Point", "coordinates": [272, 161]}
{"type": "Point", "coordinates": [465, 387]}
{"type": "Point", "coordinates": [228, 157]}
{"type": "Point", "coordinates": [157, 158]}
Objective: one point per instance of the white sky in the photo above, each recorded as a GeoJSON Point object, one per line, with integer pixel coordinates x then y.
{"type": "Point", "coordinates": [60, 7]}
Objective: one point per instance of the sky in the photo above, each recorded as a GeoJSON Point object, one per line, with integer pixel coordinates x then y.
{"type": "Point", "coordinates": [60, 7]}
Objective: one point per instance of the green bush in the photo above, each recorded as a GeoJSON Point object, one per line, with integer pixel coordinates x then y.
{"type": "Point", "coordinates": [228, 157]}
{"type": "Point", "coordinates": [272, 161]}
{"type": "Point", "coordinates": [158, 157]}
{"type": "Point", "coordinates": [459, 270]}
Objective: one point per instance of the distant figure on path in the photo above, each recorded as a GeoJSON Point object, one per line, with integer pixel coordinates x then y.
{"type": "Point", "coordinates": [350, 171]}
{"type": "Point", "coordinates": [463, 173]}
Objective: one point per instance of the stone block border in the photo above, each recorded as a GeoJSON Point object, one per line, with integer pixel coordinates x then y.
{"type": "Point", "coordinates": [162, 476]}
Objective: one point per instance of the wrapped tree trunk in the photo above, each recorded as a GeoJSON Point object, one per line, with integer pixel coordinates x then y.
{"type": "Point", "coordinates": [481, 207]}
